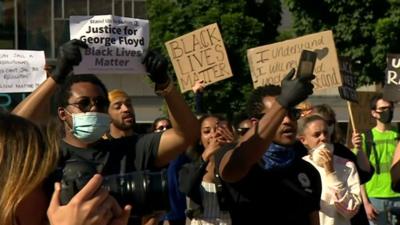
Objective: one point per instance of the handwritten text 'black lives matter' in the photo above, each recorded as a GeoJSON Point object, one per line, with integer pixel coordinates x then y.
{"type": "Point", "coordinates": [199, 56]}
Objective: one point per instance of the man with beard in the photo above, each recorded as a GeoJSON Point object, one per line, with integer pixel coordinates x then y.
{"type": "Point", "coordinates": [123, 120]}
{"type": "Point", "coordinates": [82, 108]}
{"type": "Point", "coordinates": [267, 180]}
{"type": "Point", "coordinates": [121, 114]}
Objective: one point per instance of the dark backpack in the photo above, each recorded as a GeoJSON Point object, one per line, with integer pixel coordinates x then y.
{"type": "Point", "coordinates": [370, 145]}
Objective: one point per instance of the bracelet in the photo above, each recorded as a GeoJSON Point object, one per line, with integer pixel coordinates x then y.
{"type": "Point", "coordinates": [166, 90]}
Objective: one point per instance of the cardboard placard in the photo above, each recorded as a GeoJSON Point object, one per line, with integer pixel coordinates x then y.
{"type": "Point", "coordinates": [362, 113]}
{"type": "Point", "coordinates": [391, 90]}
{"type": "Point", "coordinates": [116, 44]}
{"type": "Point", "coordinates": [269, 64]}
{"type": "Point", "coordinates": [362, 118]}
{"type": "Point", "coordinates": [21, 70]}
{"type": "Point", "coordinates": [348, 90]}
{"type": "Point", "coordinates": [199, 55]}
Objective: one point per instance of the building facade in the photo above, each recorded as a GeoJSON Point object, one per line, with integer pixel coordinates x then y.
{"type": "Point", "coordinates": [44, 25]}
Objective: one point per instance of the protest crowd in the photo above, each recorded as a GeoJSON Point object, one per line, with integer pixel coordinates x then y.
{"type": "Point", "coordinates": [286, 162]}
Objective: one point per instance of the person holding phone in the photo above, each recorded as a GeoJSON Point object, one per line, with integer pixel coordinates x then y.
{"type": "Point", "coordinates": [263, 172]}
{"type": "Point", "coordinates": [306, 63]}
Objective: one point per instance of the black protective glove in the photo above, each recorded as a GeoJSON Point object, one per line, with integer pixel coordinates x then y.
{"type": "Point", "coordinates": [69, 55]}
{"type": "Point", "coordinates": [156, 66]}
{"type": "Point", "coordinates": [296, 90]}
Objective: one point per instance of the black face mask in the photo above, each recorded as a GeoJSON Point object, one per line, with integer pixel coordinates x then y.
{"type": "Point", "coordinates": [386, 116]}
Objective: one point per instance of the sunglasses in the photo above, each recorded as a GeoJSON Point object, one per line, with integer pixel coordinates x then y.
{"type": "Point", "coordinates": [242, 130]}
{"type": "Point", "coordinates": [292, 113]}
{"type": "Point", "coordinates": [85, 104]}
{"type": "Point", "coordinates": [162, 128]}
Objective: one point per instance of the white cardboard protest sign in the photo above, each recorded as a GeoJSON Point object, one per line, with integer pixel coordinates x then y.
{"type": "Point", "coordinates": [116, 44]}
{"type": "Point", "coordinates": [21, 71]}
{"type": "Point", "coordinates": [199, 55]}
{"type": "Point", "coordinates": [269, 64]}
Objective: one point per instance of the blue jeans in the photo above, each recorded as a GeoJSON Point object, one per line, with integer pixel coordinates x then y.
{"type": "Point", "coordinates": [383, 205]}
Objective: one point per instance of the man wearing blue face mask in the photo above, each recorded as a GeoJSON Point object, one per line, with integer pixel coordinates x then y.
{"type": "Point", "coordinates": [82, 106]}
{"type": "Point", "coordinates": [267, 180]}
{"type": "Point", "coordinates": [88, 126]}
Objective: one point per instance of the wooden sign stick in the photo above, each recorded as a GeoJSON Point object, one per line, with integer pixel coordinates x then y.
{"type": "Point", "coordinates": [351, 116]}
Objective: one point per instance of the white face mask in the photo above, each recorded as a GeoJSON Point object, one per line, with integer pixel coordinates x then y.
{"type": "Point", "coordinates": [315, 152]}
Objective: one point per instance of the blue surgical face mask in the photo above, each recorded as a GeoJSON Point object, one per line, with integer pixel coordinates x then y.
{"type": "Point", "coordinates": [89, 127]}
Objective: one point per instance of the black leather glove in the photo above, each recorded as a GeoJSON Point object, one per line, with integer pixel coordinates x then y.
{"type": "Point", "coordinates": [156, 66]}
{"type": "Point", "coordinates": [69, 55]}
{"type": "Point", "coordinates": [296, 90]}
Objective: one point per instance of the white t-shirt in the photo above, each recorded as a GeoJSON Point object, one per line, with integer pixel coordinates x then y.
{"type": "Point", "coordinates": [212, 214]}
{"type": "Point", "coordinates": [341, 187]}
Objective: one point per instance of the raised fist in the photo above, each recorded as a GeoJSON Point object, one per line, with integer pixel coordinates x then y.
{"type": "Point", "coordinates": [295, 90]}
{"type": "Point", "coordinates": [156, 66]}
{"type": "Point", "coordinates": [69, 55]}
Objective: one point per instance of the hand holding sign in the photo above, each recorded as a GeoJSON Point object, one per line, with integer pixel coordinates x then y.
{"type": "Point", "coordinates": [69, 56]}
{"type": "Point", "coordinates": [296, 90]}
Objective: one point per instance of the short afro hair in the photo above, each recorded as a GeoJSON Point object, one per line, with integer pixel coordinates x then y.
{"type": "Point", "coordinates": [255, 105]}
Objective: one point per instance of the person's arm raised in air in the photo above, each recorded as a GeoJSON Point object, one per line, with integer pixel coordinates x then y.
{"type": "Point", "coordinates": [185, 129]}
{"type": "Point", "coordinates": [31, 107]}
{"type": "Point", "coordinates": [362, 158]}
{"type": "Point", "coordinates": [236, 163]}
{"type": "Point", "coordinates": [198, 89]}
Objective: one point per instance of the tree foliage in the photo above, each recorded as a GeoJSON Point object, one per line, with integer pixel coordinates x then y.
{"type": "Point", "coordinates": [365, 30]}
{"type": "Point", "coordinates": [243, 24]}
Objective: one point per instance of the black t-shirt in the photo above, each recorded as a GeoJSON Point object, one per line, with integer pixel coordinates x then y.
{"type": "Point", "coordinates": [283, 196]}
{"type": "Point", "coordinates": [116, 156]}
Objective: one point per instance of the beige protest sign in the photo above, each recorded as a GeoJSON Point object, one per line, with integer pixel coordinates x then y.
{"type": "Point", "coordinates": [199, 55]}
{"type": "Point", "coordinates": [270, 63]}
{"type": "Point", "coordinates": [361, 112]}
